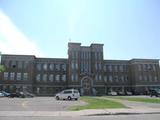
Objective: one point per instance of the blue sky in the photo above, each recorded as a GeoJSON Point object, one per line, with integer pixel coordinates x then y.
{"type": "Point", "coordinates": [127, 28]}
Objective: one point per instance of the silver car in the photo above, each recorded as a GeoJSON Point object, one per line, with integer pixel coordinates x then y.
{"type": "Point", "coordinates": [68, 94]}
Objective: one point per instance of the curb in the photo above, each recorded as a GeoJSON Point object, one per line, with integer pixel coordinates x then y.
{"type": "Point", "coordinates": [91, 112]}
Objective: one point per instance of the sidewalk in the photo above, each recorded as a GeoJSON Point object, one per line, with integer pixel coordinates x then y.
{"type": "Point", "coordinates": [91, 112]}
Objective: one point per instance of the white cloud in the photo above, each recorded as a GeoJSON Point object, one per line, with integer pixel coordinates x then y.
{"type": "Point", "coordinates": [13, 41]}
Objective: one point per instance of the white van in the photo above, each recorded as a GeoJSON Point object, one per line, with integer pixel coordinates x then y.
{"type": "Point", "coordinates": [68, 94]}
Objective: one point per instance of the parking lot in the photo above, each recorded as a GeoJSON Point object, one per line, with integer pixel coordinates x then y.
{"type": "Point", "coordinates": [36, 104]}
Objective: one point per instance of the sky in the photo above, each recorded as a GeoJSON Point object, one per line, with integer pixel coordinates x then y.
{"type": "Point", "coordinates": [127, 28]}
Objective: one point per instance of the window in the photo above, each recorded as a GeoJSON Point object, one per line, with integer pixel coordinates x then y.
{"type": "Point", "coordinates": [96, 66]}
{"type": "Point", "coordinates": [38, 77]}
{"type": "Point", "coordinates": [20, 64]}
{"type": "Point", "coordinates": [72, 65]}
{"type": "Point", "coordinates": [154, 67]}
{"type": "Point", "coordinates": [51, 67]}
{"type": "Point", "coordinates": [150, 78]}
{"type": "Point", "coordinates": [104, 68]}
{"type": "Point", "coordinates": [140, 77]}
{"type": "Point", "coordinates": [5, 75]}
{"type": "Point", "coordinates": [13, 64]}
{"type": "Point", "coordinates": [51, 77]}
{"type": "Point", "coordinates": [57, 67]}
{"type": "Point", "coordinates": [72, 77]}
{"type": "Point", "coordinates": [122, 78]}
{"type": "Point", "coordinates": [116, 78]}
{"type": "Point", "coordinates": [45, 66]}
{"type": "Point", "coordinates": [116, 68]}
{"type": "Point", "coordinates": [105, 78]}
{"type": "Point", "coordinates": [63, 77]}
{"type": "Point", "coordinates": [145, 78]}
{"type": "Point", "coordinates": [110, 68]}
{"type": "Point", "coordinates": [25, 76]}
{"type": "Point", "coordinates": [12, 74]}
{"type": "Point", "coordinates": [76, 77]}
{"type": "Point", "coordinates": [100, 77]}
{"type": "Point", "coordinates": [44, 77]}
{"type": "Point", "coordinates": [7, 64]}
{"type": "Point", "coordinates": [110, 78]}
{"type": "Point", "coordinates": [38, 66]}
{"type": "Point", "coordinates": [19, 76]}
{"type": "Point", "coordinates": [155, 78]}
{"type": "Point", "coordinates": [121, 68]}
{"type": "Point", "coordinates": [64, 67]}
{"type": "Point", "coordinates": [57, 77]}
{"type": "Point", "coordinates": [25, 64]}
{"type": "Point", "coordinates": [96, 77]}
{"type": "Point", "coordinates": [99, 65]}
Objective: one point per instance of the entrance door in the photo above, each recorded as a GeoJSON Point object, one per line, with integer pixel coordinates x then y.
{"type": "Point", "coordinates": [86, 86]}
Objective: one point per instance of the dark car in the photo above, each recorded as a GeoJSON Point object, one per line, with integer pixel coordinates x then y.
{"type": "Point", "coordinates": [155, 92]}
{"type": "Point", "coordinates": [21, 94]}
{"type": "Point", "coordinates": [17, 94]}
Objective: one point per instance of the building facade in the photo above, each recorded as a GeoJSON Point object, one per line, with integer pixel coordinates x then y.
{"type": "Point", "coordinates": [85, 69]}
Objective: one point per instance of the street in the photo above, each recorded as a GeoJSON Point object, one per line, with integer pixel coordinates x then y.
{"type": "Point", "coordinates": [110, 117]}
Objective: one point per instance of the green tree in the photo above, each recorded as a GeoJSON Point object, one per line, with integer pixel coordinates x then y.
{"type": "Point", "coordinates": [2, 68]}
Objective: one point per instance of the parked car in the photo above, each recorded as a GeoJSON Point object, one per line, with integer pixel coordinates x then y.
{"type": "Point", "coordinates": [113, 93]}
{"type": "Point", "coordinates": [17, 94]}
{"type": "Point", "coordinates": [27, 94]}
{"type": "Point", "coordinates": [1, 94]}
{"type": "Point", "coordinates": [6, 94]}
{"type": "Point", "coordinates": [155, 92]}
{"type": "Point", "coordinates": [121, 93]}
{"type": "Point", "coordinates": [128, 93]}
{"type": "Point", "coordinates": [68, 94]}
{"type": "Point", "coordinates": [21, 94]}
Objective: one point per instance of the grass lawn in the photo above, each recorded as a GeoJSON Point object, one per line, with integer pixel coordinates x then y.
{"type": "Point", "coordinates": [137, 99]}
{"type": "Point", "coordinates": [95, 103]}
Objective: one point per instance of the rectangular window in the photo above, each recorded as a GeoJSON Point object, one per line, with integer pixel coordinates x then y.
{"type": "Point", "coordinates": [51, 67]}
{"type": "Point", "coordinates": [7, 64]}
{"type": "Point", "coordinates": [38, 77]}
{"type": "Point", "coordinates": [121, 68]}
{"type": "Point", "coordinates": [25, 76]}
{"type": "Point", "coordinates": [44, 77]}
{"type": "Point", "coordinates": [105, 78]}
{"type": "Point", "coordinates": [38, 66]}
{"type": "Point", "coordinates": [57, 77]}
{"type": "Point", "coordinates": [25, 64]}
{"type": "Point", "coordinates": [110, 68]}
{"type": "Point", "coordinates": [145, 78]}
{"type": "Point", "coordinates": [63, 77]}
{"type": "Point", "coordinates": [110, 78]}
{"type": "Point", "coordinates": [140, 77]}
{"type": "Point", "coordinates": [64, 67]}
{"type": "Point", "coordinates": [18, 76]}
{"type": "Point", "coordinates": [20, 64]}
{"type": "Point", "coordinates": [150, 78]}
{"type": "Point", "coordinates": [155, 78]}
{"type": "Point", "coordinates": [13, 64]}
{"type": "Point", "coordinates": [5, 75]}
{"type": "Point", "coordinates": [51, 77]}
{"type": "Point", "coordinates": [154, 67]}
{"type": "Point", "coordinates": [45, 66]}
{"type": "Point", "coordinates": [12, 75]}
{"type": "Point", "coordinates": [58, 67]}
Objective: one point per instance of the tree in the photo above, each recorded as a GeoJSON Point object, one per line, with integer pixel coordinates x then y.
{"type": "Point", "coordinates": [2, 68]}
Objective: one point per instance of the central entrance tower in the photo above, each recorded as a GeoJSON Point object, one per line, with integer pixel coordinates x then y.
{"type": "Point", "coordinates": [85, 67]}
